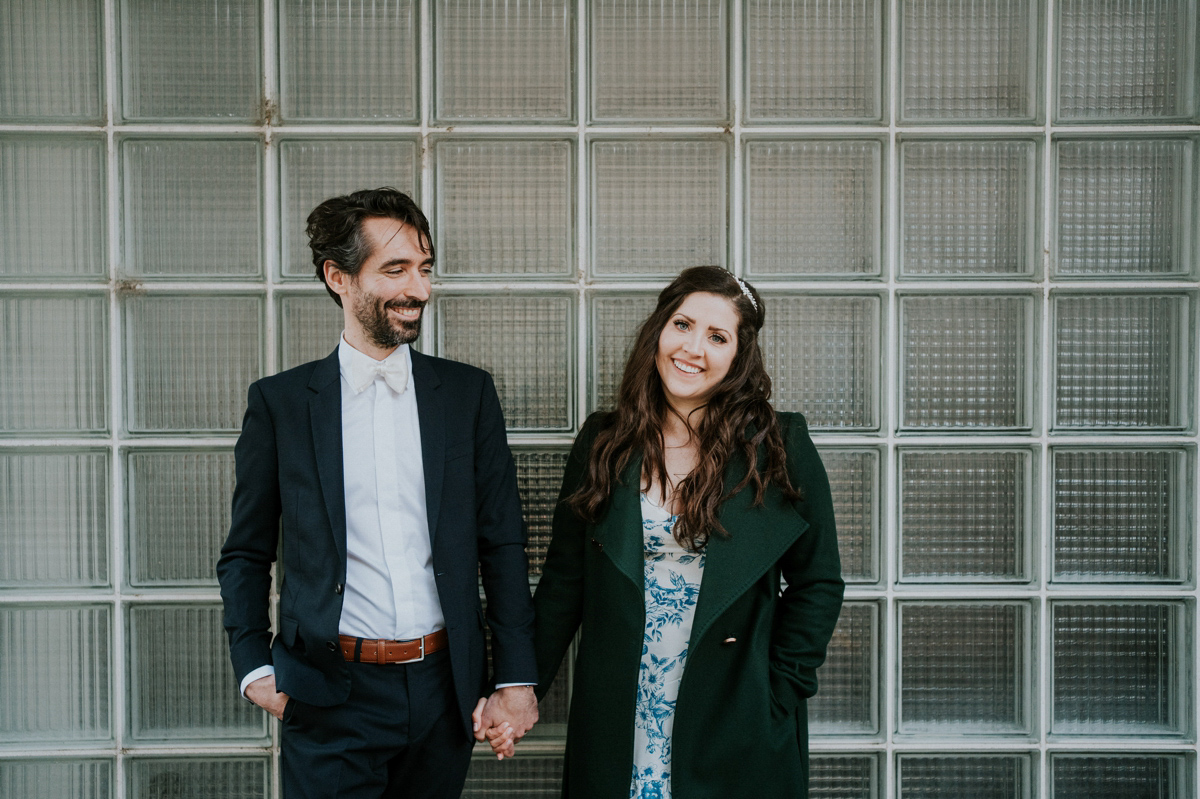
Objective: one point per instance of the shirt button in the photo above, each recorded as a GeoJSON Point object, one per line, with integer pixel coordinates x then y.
{"type": "Point", "coordinates": [331, 646]}
{"type": "Point", "coordinates": [337, 589]}
{"type": "Point", "coordinates": [599, 545]}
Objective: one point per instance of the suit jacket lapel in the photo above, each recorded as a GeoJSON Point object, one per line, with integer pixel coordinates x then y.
{"type": "Point", "coordinates": [433, 434]}
{"type": "Point", "coordinates": [325, 411]}
{"type": "Point", "coordinates": [620, 531]}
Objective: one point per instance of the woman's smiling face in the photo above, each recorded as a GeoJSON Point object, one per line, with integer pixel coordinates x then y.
{"type": "Point", "coordinates": [696, 349]}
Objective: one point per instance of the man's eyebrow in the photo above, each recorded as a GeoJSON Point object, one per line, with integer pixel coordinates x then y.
{"type": "Point", "coordinates": [403, 262]}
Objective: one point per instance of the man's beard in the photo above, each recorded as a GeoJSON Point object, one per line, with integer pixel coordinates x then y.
{"type": "Point", "coordinates": [372, 314]}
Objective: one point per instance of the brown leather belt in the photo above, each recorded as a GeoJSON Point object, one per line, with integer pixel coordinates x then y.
{"type": "Point", "coordinates": [382, 651]}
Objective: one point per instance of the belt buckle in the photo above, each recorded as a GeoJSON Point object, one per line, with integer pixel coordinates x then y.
{"type": "Point", "coordinates": [421, 657]}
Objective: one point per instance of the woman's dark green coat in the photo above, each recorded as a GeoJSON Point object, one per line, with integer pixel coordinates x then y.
{"type": "Point", "coordinates": [741, 727]}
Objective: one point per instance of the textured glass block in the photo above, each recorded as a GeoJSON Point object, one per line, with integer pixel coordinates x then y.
{"type": "Point", "coordinates": [1116, 668]}
{"type": "Point", "coordinates": [964, 515]}
{"type": "Point", "coordinates": [310, 327]}
{"type": "Point", "coordinates": [539, 478]}
{"type": "Point", "coordinates": [968, 62]}
{"type": "Point", "coordinates": [53, 518]}
{"type": "Point", "coordinates": [52, 778]}
{"type": "Point", "coordinates": [57, 664]}
{"type": "Point", "coordinates": [968, 207]}
{"type": "Point", "coordinates": [976, 776]}
{"type": "Point", "coordinates": [505, 61]}
{"type": "Point", "coordinates": [202, 778]}
{"type": "Point", "coordinates": [53, 363]}
{"type": "Point", "coordinates": [848, 701]}
{"type": "Point", "coordinates": [315, 170]}
{"type": "Point", "coordinates": [186, 61]}
{"type": "Point", "coordinates": [1118, 515]}
{"type": "Point", "coordinates": [813, 60]}
{"type": "Point", "coordinates": [1120, 361]}
{"type": "Point", "coordinates": [812, 208]}
{"type": "Point", "coordinates": [505, 207]}
{"type": "Point", "coordinates": [1125, 59]}
{"type": "Point", "coordinates": [1128, 776]}
{"type": "Point", "coordinates": [192, 208]}
{"type": "Point", "coordinates": [842, 776]}
{"type": "Point", "coordinates": [659, 61]}
{"type": "Point", "coordinates": [965, 361]}
{"type": "Point", "coordinates": [854, 483]}
{"type": "Point", "coordinates": [614, 324]}
{"type": "Point", "coordinates": [181, 684]}
{"type": "Point", "coordinates": [179, 510]}
{"type": "Point", "coordinates": [50, 60]}
{"type": "Point", "coordinates": [349, 60]}
{"type": "Point", "coordinates": [964, 667]}
{"type": "Point", "coordinates": [189, 360]}
{"type": "Point", "coordinates": [528, 777]}
{"type": "Point", "coordinates": [526, 343]}
{"type": "Point", "coordinates": [822, 353]}
{"type": "Point", "coordinates": [52, 207]}
{"type": "Point", "coordinates": [1124, 207]}
{"type": "Point", "coordinates": [658, 206]}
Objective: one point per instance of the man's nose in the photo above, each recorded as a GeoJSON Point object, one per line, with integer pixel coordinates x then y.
{"type": "Point", "coordinates": [418, 290]}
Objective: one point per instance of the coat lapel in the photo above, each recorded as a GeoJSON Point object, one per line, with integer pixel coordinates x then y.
{"type": "Point", "coordinates": [325, 410]}
{"type": "Point", "coordinates": [432, 417]}
{"type": "Point", "coordinates": [620, 531]}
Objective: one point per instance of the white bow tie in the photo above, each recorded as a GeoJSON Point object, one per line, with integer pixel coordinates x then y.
{"type": "Point", "coordinates": [394, 372]}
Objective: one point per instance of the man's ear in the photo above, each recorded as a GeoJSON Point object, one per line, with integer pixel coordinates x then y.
{"type": "Point", "coordinates": [337, 280]}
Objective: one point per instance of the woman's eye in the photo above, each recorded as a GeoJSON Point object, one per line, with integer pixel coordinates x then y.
{"type": "Point", "coordinates": [718, 338]}
{"type": "Point", "coordinates": [682, 325]}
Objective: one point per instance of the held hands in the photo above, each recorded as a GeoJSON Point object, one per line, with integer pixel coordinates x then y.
{"type": "Point", "coordinates": [504, 717]}
{"type": "Point", "coordinates": [262, 693]}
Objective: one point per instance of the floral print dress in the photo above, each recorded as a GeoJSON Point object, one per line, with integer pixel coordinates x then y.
{"type": "Point", "coordinates": [672, 579]}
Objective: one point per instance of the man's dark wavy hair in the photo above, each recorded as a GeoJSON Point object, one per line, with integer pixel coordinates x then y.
{"type": "Point", "coordinates": [335, 228]}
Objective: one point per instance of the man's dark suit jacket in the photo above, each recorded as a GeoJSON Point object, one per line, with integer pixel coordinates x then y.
{"type": "Point", "coordinates": [289, 467]}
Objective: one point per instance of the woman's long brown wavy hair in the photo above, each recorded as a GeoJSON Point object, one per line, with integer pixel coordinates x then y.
{"type": "Point", "coordinates": [737, 419]}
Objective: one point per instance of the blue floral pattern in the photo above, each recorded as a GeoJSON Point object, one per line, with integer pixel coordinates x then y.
{"type": "Point", "coordinates": [672, 578]}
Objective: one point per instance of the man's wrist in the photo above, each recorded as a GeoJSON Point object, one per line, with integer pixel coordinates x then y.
{"type": "Point", "coordinates": [257, 674]}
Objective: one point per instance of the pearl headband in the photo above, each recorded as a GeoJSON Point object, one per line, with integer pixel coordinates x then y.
{"type": "Point", "coordinates": [746, 290]}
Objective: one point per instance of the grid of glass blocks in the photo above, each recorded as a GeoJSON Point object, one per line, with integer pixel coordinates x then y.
{"type": "Point", "coordinates": [974, 225]}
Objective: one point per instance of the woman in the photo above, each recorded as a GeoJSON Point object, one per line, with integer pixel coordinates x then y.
{"type": "Point", "coordinates": [679, 513]}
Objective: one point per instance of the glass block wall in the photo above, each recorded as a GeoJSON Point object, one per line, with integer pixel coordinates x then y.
{"type": "Point", "coordinates": [975, 224]}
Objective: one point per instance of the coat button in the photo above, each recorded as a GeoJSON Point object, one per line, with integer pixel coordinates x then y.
{"type": "Point", "coordinates": [337, 589]}
{"type": "Point", "coordinates": [331, 646]}
{"type": "Point", "coordinates": [730, 640]}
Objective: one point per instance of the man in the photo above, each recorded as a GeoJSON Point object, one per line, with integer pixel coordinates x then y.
{"type": "Point", "coordinates": [395, 485]}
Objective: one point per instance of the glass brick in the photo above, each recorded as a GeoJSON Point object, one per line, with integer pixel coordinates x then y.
{"type": "Point", "coordinates": [968, 62]}
{"type": "Point", "coordinates": [1125, 59]}
{"type": "Point", "coordinates": [353, 60]}
{"type": "Point", "coordinates": [528, 776]}
{"type": "Point", "coordinates": [192, 61]}
{"type": "Point", "coordinates": [1128, 776]}
{"type": "Point", "coordinates": [192, 208]}
{"type": "Point", "coordinates": [50, 66]}
{"type": "Point", "coordinates": [57, 664]}
{"type": "Point", "coordinates": [854, 483]}
{"type": "Point", "coordinates": [657, 206]}
{"type": "Point", "coordinates": [310, 328]}
{"type": "Point", "coordinates": [505, 61]}
{"type": "Point", "coordinates": [53, 363]}
{"type": "Point", "coordinates": [1120, 361]}
{"type": "Point", "coordinates": [539, 478]}
{"type": "Point", "coordinates": [315, 170]}
{"type": "Point", "coordinates": [838, 776]}
{"type": "Point", "coordinates": [179, 512]}
{"type": "Point", "coordinates": [1124, 207]}
{"type": "Point", "coordinates": [52, 207]}
{"type": "Point", "coordinates": [181, 684]}
{"type": "Point", "coordinates": [1116, 668]}
{"type": "Point", "coordinates": [189, 360]}
{"type": "Point", "coordinates": [505, 207]}
{"type": "Point", "coordinates": [614, 324]}
{"type": "Point", "coordinates": [221, 778]}
{"type": "Point", "coordinates": [1118, 515]}
{"type": "Point", "coordinates": [964, 667]}
{"type": "Point", "coordinates": [847, 702]}
{"type": "Point", "coordinates": [968, 207]}
{"type": "Point", "coordinates": [822, 353]}
{"type": "Point", "coordinates": [812, 208]}
{"type": "Point", "coordinates": [531, 361]}
{"type": "Point", "coordinates": [813, 60]}
{"type": "Point", "coordinates": [54, 778]}
{"type": "Point", "coordinates": [976, 776]}
{"type": "Point", "coordinates": [53, 518]}
{"type": "Point", "coordinates": [965, 361]}
{"type": "Point", "coordinates": [964, 515]}
{"type": "Point", "coordinates": [659, 61]}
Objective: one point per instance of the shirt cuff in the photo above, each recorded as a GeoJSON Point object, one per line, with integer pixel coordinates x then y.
{"type": "Point", "coordinates": [514, 684]}
{"type": "Point", "coordinates": [259, 673]}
